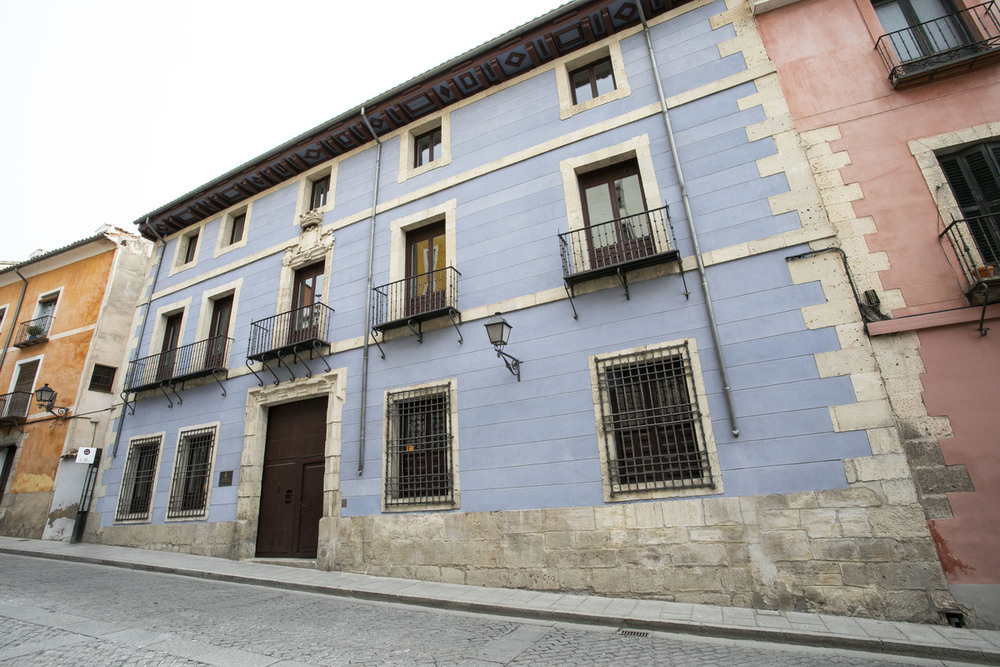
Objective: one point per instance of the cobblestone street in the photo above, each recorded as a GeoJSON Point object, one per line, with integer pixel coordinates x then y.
{"type": "Point", "coordinates": [59, 613]}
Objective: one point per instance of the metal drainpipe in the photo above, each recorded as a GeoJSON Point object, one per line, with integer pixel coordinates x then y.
{"type": "Point", "coordinates": [17, 313]}
{"type": "Point", "coordinates": [694, 234]}
{"type": "Point", "coordinates": [368, 299]}
{"type": "Point", "coordinates": [142, 327]}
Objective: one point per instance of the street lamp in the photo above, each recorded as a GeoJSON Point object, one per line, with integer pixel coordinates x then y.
{"type": "Point", "coordinates": [46, 398]}
{"type": "Point", "coordinates": [498, 330]}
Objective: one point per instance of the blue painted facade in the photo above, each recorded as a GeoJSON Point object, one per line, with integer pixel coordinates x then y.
{"type": "Point", "coordinates": [533, 444]}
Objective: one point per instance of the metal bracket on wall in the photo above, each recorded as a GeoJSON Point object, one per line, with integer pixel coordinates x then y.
{"type": "Point", "coordinates": [128, 406]}
{"type": "Point", "coordinates": [451, 315]}
{"type": "Point", "coordinates": [418, 330]}
{"type": "Point", "coordinates": [984, 289]}
{"type": "Point", "coordinates": [6, 430]}
{"type": "Point", "coordinates": [266, 367]}
{"type": "Point", "coordinates": [623, 279]}
{"type": "Point", "coordinates": [569, 295]}
{"type": "Point", "coordinates": [163, 386]}
{"type": "Point", "coordinates": [215, 374]}
{"type": "Point", "coordinates": [374, 335]}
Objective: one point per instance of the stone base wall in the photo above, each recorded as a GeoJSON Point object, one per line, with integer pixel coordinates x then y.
{"type": "Point", "coordinates": [845, 551]}
{"type": "Point", "coordinates": [202, 539]}
{"type": "Point", "coordinates": [25, 514]}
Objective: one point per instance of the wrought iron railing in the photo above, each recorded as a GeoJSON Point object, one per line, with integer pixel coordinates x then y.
{"type": "Point", "coordinates": [414, 298]}
{"type": "Point", "coordinates": [615, 243]}
{"type": "Point", "coordinates": [272, 336]}
{"type": "Point", "coordinates": [14, 406]}
{"type": "Point", "coordinates": [33, 331]}
{"type": "Point", "coordinates": [976, 242]}
{"type": "Point", "coordinates": [204, 357]}
{"type": "Point", "coordinates": [945, 41]}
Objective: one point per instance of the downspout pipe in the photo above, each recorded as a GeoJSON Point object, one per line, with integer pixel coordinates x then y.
{"type": "Point", "coordinates": [17, 314]}
{"type": "Point", "coordinates": [142, 327]}
{"type": "Point", "coordinates": [368, 298]}
{"type": "Point", "coordinates": [712, 324]}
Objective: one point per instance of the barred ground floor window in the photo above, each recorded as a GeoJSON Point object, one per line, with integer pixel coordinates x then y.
{"type": "Point", "coordinates": [654, 431]}
{"type": "Point", "coordinates": [420, 448]}
{"type": "Point", "coordinates": [189, 485]}
{"type": "Point", "coordinates": [139, 478]}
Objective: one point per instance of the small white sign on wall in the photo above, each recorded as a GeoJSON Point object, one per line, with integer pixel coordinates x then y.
{"type": "Point", "coordinates": [86, 454]}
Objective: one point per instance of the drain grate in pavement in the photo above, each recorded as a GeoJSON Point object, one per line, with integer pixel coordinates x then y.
{"type": "Point", "coordinates": [632, 633]}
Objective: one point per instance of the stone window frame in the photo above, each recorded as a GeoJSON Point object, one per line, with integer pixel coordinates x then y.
{"type": "Point", "coordinates": [399, 227]}
{"type": "Point", "coordinates": [926, 150]}
{"type": "Point", "coordinates": [132, 443]}
{"type": "Point", "coordinates": [305, 193]}
{"type": "Point", "coordinates": [314, 247]}
{"type": "Point", "coordinates": [55, 295]}
{"type": "Point", "coordinates": [331, 384]}
{"type": "Point", "coordinates": [183, 239]}
{"type": "Point", "coordinates": [636, 148]}
{"type": "Point", "coordinates": [207, 303]}
{"type": "Point", "coordinates": [407, 146]}
{"type": "Point", "coordinates": [564, 88]}
{"type": "Point", "coordinates": [697, 393]}
{"type": "Point", "coordinates": [40, 358]}
{"type": "Point", "coordinates": [160, 320]}
{"type": "Point", "coordinates": [215, 426]}
{"type": "Point", "coordinates": [449, 385]}
{"type": "Point", "coordinates": [222, 244]}
{"type": "Point", "coordinates": [100, 386]}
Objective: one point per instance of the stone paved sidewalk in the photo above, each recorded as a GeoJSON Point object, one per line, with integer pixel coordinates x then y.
{"type": "Point", "coordinates": [938, 642]}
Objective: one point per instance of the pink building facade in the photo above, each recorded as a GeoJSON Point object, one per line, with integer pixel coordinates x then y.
{"type": "Point", "coordinates": [898, 102]}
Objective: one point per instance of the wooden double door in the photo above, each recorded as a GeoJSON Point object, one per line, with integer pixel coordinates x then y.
{"type": "Point", "coordinates": [291, 493]}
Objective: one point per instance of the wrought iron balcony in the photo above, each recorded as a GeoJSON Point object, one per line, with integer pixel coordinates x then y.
{"type": "Point", "coordinates": [976, 242]}
{"type": "Point", "coordinates": [289, 332]}
{"type": "Point", "coordinates": [14, 407]}
{"type": "Point", "coordinates": [617, 247]}
{"type": "Point", "coordinates": [172, 367]}
{"type": "Point", "coordinates": [416, 299]}
{"type": "Point", "coordinates": [33, 332]}
{"type": "Point", "coordinates": [955, 43]}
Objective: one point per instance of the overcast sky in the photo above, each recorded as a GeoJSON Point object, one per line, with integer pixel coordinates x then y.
{"type": "Point", "coordinates": [112, 108]}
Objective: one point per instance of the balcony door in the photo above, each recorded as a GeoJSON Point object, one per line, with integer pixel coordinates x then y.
{"type": "Point", "coordinates": [218, 333]}
{"type": "Point", "coordinates": [614, 210]}
{"type": "Point", "coordinates": [920, 28]}
{"type": "Point", "coordinates": [426, 259]}
{"type": "Point", "coordinates": [974, 176]}
{"type": "Point", "coordinates": [18, 403]}
{"type": "Point", "coordinates": [46, 309]}
{"type": "Point", "coordinates": [307, 293]}
{"type": "Point", "coordinates": [168, 350]}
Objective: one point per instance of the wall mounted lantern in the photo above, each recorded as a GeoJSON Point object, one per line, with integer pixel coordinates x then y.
{"type": "Point", "coordinates": [498, 330]}
{"type": "Point", "coordinates": [46, 399]}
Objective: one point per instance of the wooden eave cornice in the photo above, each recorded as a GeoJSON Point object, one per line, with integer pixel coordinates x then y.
{"type": "Point", "coordinates": [573, 26]}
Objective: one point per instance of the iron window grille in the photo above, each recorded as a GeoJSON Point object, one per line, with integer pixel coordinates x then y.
{"type": "Point", "coordinates": [137, 479]}
{"type": "Point", "coordinates": [102, 378]}
{"type": "Point", "coordinates": [651, 421]}
{"type": "Point", "coordinates": [418, 462]}
{"type": "Point", "coordinates": [192, 472]}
